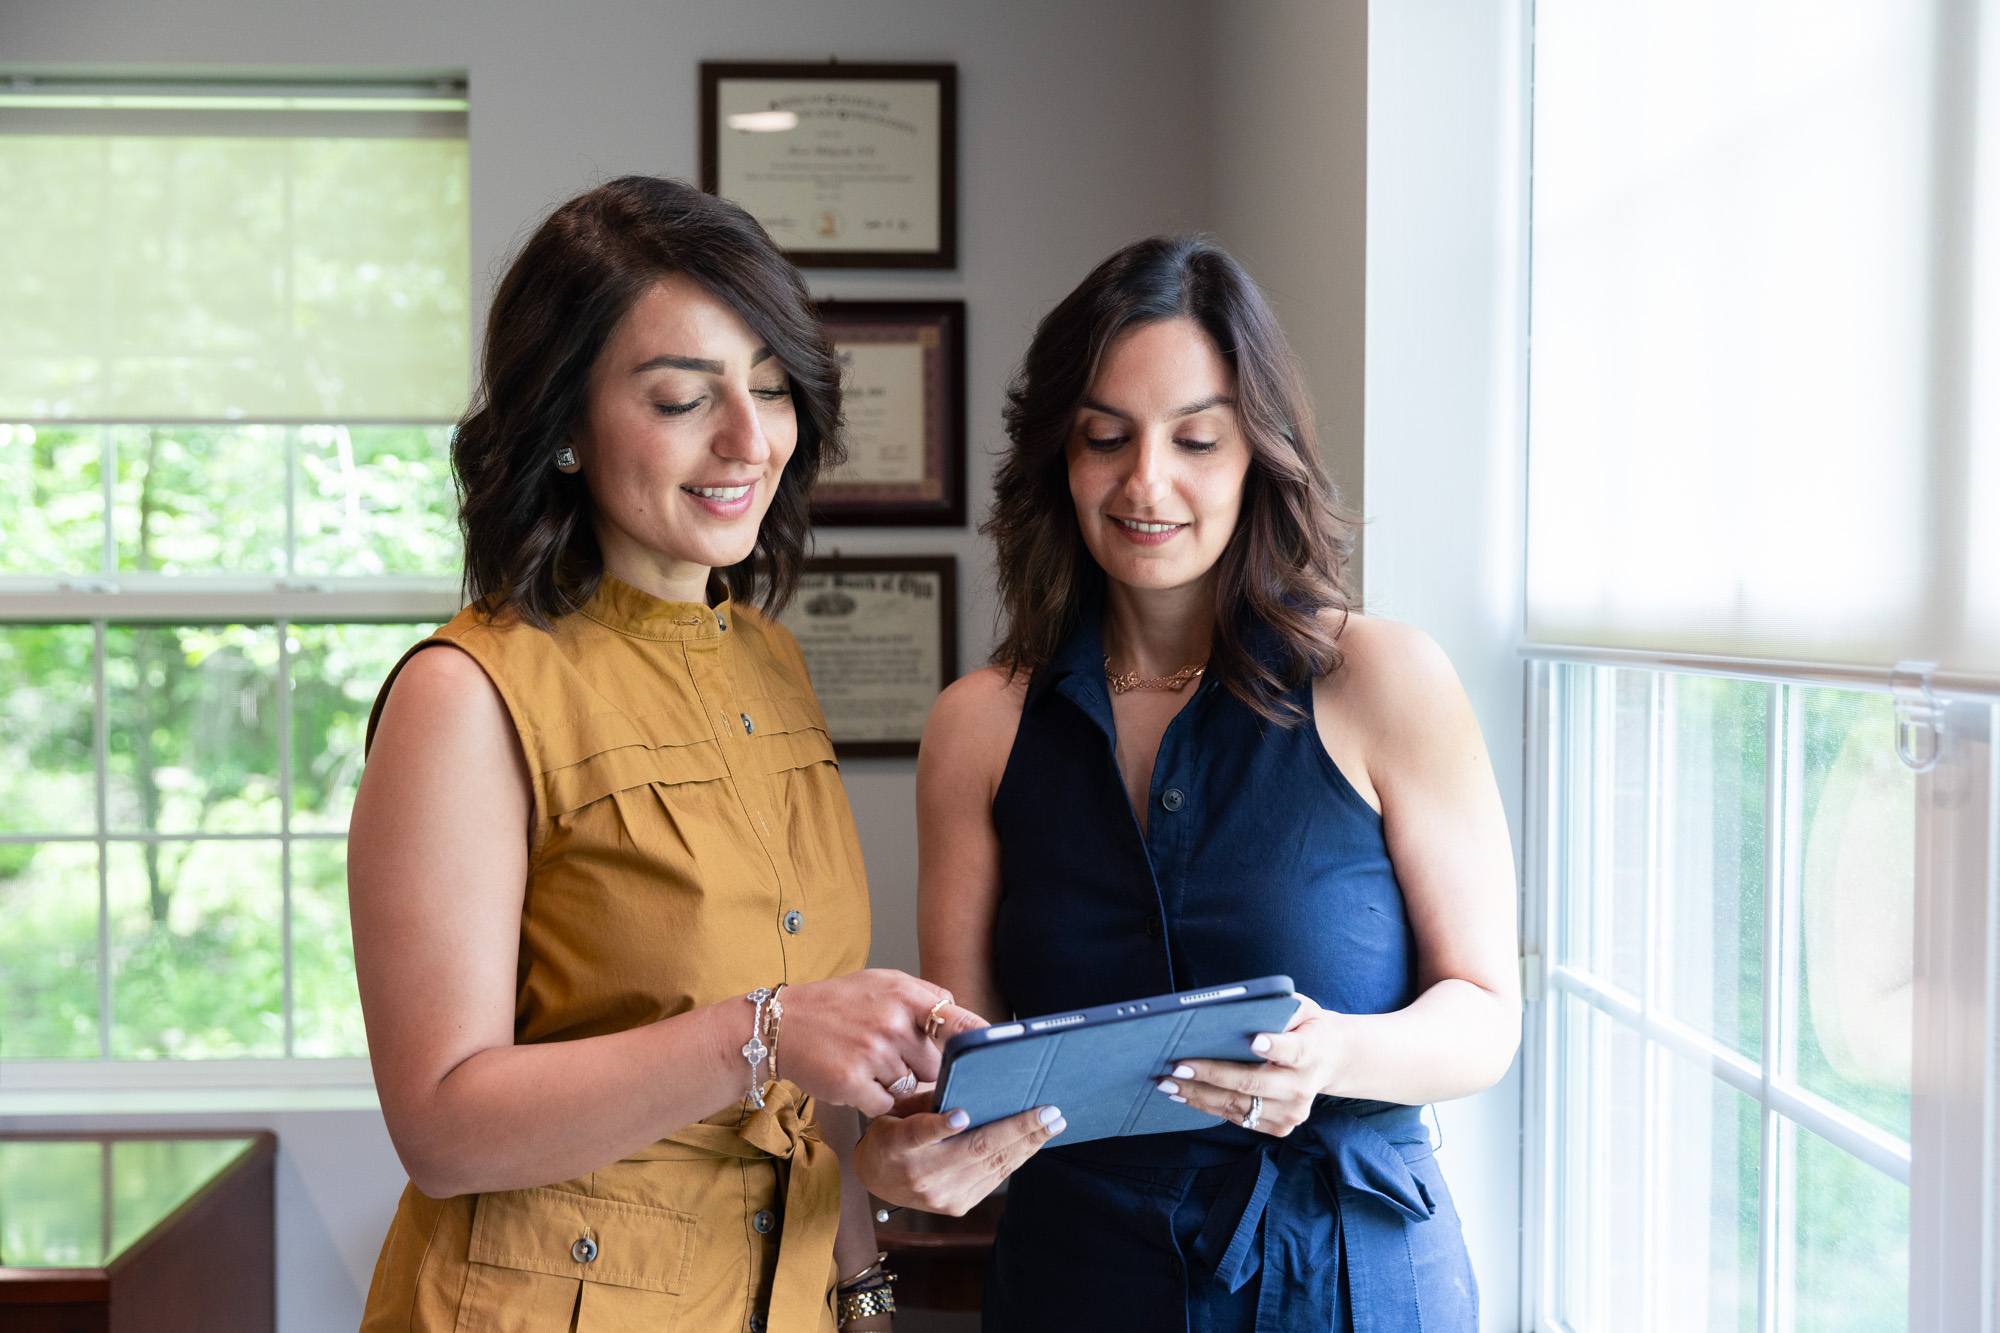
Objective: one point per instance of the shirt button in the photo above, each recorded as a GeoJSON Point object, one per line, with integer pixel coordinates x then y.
{"type": "Point", "coordinates": [749, 727]}
{"type": "Point", "coordinates": [1153, 928]}
{"type": "Point", "coordinates": [584, 1251]}
{"type": "Point", "coordinates": [794, 922]}
{"type": "Point", "coordinates": [1173, 799]}
{"type": "Point", "coordinates": [756, 1323]}
{"type": "Point", "coordinates": [720, 623]}
{"type": "Point", "coordinates": [763, 1221]}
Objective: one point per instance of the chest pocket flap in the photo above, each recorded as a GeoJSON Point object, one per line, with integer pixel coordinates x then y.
{"type": "Point", "coordinates": [544, 1230]}
{"type": "Point", "coordinates": [790, 733]}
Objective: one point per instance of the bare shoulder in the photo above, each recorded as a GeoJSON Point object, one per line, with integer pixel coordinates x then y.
{"type": "Point", "coordinates": [444, 712]}
{"type": "Point", "coordinates": [971, 727]}
{"type": "Point", "coordinates": [982, 700]}
{"type": "Point", "coordinates": [441, 685]}
{"type": "Point", "coordinates": [1392, 676]}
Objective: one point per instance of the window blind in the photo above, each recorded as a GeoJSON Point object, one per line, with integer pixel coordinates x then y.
{"type": "Point", "coordinates": [1752, 429]}
{"type": "Point", "coordinates": [202, 254]}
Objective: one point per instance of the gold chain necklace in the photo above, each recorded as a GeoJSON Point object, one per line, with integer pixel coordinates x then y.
{"type": "Point", "coordinates": [1122, 681]}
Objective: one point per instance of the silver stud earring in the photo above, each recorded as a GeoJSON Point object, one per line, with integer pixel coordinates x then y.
{"type": "Point", "coordinates": [565, 457]}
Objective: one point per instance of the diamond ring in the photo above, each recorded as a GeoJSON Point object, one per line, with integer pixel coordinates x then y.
{"type": "Point", "coordinates": [1256, 1113]}
{"type": "Point", "coordinates": [905, 1085]}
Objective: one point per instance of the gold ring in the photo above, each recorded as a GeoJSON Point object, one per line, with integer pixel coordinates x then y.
{"type": "Point", "coordinates": [934, 1025]}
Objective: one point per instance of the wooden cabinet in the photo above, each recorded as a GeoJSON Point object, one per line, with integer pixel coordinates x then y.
{"type": "Point", "coordinates": [118, 1233]}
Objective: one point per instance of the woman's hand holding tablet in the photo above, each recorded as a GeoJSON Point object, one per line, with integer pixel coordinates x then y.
{"type": "Point", "coordinates": [916, 1158]}
{"type": "Point", "coordinates": [1298, 1064]}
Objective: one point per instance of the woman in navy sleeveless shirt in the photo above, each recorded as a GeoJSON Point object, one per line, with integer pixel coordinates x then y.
{"type": "Point", "coordinates": [1191, 765]}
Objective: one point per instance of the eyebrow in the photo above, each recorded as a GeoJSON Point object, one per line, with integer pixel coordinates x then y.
{"type": "Point", "coordinates": [1217, 400]}
{"type": "Point", "coordinates": [695, 363]}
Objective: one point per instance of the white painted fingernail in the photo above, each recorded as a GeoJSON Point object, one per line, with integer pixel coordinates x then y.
{"type": "Point", "coordinates": [1168, 1086]}
{"type": "Point", "coordinates": [958, 1119]}
{"type": "Point", "coordinates": [1048, 1114]}
{"type": "Point", "coordinates": [1183, 1071]}
{"type": "Point", "coordinates": [1261, 1045]}
{"type": "Point", "coordinates": [1181, 1100]}
{"type": "Point", "coordinates": [1059, 1126]}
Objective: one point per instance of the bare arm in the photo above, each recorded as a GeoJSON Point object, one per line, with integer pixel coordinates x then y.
{"type": "Point", "coordinates": [914, 1157]}
{"type": "Point", "coordinates": [1406, 723]}
{"type": "Point", "coordinates": [967, 739]}
{"type": "Point", "coordinates": [854, 1248]}
{"type": "Point", "coordinates": [437, 869]}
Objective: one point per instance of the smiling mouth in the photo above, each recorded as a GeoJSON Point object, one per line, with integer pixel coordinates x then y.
{"type": "Point", "coordinates": [1134, 525]}
{"type": "Point", "coordinates": [723, 493]}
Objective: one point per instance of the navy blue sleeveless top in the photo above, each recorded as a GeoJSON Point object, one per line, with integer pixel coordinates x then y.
{"type": "Point", "coordinates": [1258, 857]}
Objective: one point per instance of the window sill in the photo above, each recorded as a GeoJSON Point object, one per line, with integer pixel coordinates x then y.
{"type": "Point", "coordinates": [155, 1087]}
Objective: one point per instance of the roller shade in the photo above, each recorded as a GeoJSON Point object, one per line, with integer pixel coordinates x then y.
{"type": "Point", "coordinates": [190, 257]}
{"type": "Point", "coordinates": [1758, 319]}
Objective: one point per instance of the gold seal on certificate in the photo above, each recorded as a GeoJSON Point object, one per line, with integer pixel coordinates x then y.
{"type": "Point", "coordinates": [903, 395]}
{"type": "Point", "coordinates": [847, 166]}
{"type": "Point", "coordinates": [880, 637]}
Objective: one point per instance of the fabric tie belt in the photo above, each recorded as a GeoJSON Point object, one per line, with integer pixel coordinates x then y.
{"type": "Point", "coordinates": [785, 1129]}
{"type": "Point", "coordinates": [1270, 1188]}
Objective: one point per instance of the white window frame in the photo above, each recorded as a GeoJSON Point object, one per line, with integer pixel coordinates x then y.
{"type": "Point", "coordinates": [1955, 1077]}
{"type": "Point", "coordinates": [113, 597]}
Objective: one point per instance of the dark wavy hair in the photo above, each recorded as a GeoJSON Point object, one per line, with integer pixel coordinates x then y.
{"type": "Point", "coordinates": [529, 545]}
{"type": "Point", "coordinates": [1285, 564]}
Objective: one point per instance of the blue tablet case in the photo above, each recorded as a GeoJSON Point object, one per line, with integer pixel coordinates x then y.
{"type": "Point", "coordinates": [1099, 1065]}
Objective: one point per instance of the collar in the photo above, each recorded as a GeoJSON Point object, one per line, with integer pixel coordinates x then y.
{"type": "Point", "coordinates": [626, 610]}
{"type": "Point", "coordinates": [1077, 670]}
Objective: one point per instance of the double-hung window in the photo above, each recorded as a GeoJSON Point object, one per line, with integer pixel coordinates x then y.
{"type": "Point", "coordinates": [1763, 613]}
{"type": "Point", "coordinates": [233, 337]}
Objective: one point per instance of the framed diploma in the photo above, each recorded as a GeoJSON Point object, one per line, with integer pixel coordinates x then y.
{"type": "Point", "coordinates": [847, 166]}
{"type": "Point", "coordinates": [903, 390]}
{"type": "Point", "coordinates": [880, 635]}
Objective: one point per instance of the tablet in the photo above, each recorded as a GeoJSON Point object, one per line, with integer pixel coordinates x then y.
{"type": "Point", "coordinates": [1099, 1065]}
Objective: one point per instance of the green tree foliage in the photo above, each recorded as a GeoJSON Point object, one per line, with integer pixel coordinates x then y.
{"type": "Point", "coordinates": [192, 732]}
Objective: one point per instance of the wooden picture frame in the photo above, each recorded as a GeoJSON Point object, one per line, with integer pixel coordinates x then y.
{"type": "Point", "coordinates": [847, 166]}
{"type": "Point", "coordinates": [905, 406]}
{"type": "Point", "coordinates": [880, 637]}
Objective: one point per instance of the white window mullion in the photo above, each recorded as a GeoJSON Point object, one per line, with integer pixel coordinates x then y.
{"type": "Point", "coordinates": [1654, 957]}
{"type": "Point", "coordinates": [1540, 825]}
{"type": "Point", "coordinates": [100, 762]}
{"type": "Point", "coordinates": [284, 711]}
{"type": "Point", "coordinates": [1951, 1177]}
{"type": "Point", "coordinates": [1778, 1174]}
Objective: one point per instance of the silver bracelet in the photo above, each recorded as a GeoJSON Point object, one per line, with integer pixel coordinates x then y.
{"type": "Point", "coordinates": [754, 1050]}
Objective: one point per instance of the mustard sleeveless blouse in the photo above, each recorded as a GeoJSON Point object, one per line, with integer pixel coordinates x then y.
{"type": "Point", "coordinates": [691, 842]}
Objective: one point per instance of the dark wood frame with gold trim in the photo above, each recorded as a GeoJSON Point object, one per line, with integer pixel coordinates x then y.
{"type": "Point", "coordinates": [905, 504]}
{"type": "Point", "coordinates": [713, 72]}
{"type": "Point", "coordinates": [946, 568]}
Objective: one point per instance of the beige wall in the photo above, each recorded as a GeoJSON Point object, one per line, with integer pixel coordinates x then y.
{"type": "Point", "coordinates": [1288, 162]}
{"type": "Point", "coordinates": [1078, 134]}
{"type": "Point", "coordinates": [1083, 126]}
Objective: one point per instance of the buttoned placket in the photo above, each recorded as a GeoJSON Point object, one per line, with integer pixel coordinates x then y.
{"type": "Point", "coordinates": [714, 667]}
{"type": "Point", "coordinates": [1174, 806]}
{"type": "Point", "coordinates": [1089, 694]}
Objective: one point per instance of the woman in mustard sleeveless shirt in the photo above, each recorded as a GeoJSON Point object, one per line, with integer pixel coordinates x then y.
{"type": "Point", "coordinates": [601, 826]}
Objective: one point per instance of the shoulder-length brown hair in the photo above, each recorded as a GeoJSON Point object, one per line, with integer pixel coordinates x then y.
{"type": "Point", "coordinates": [529, 545]}
{"type": "Point", "coordinates": [1285, 564]}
